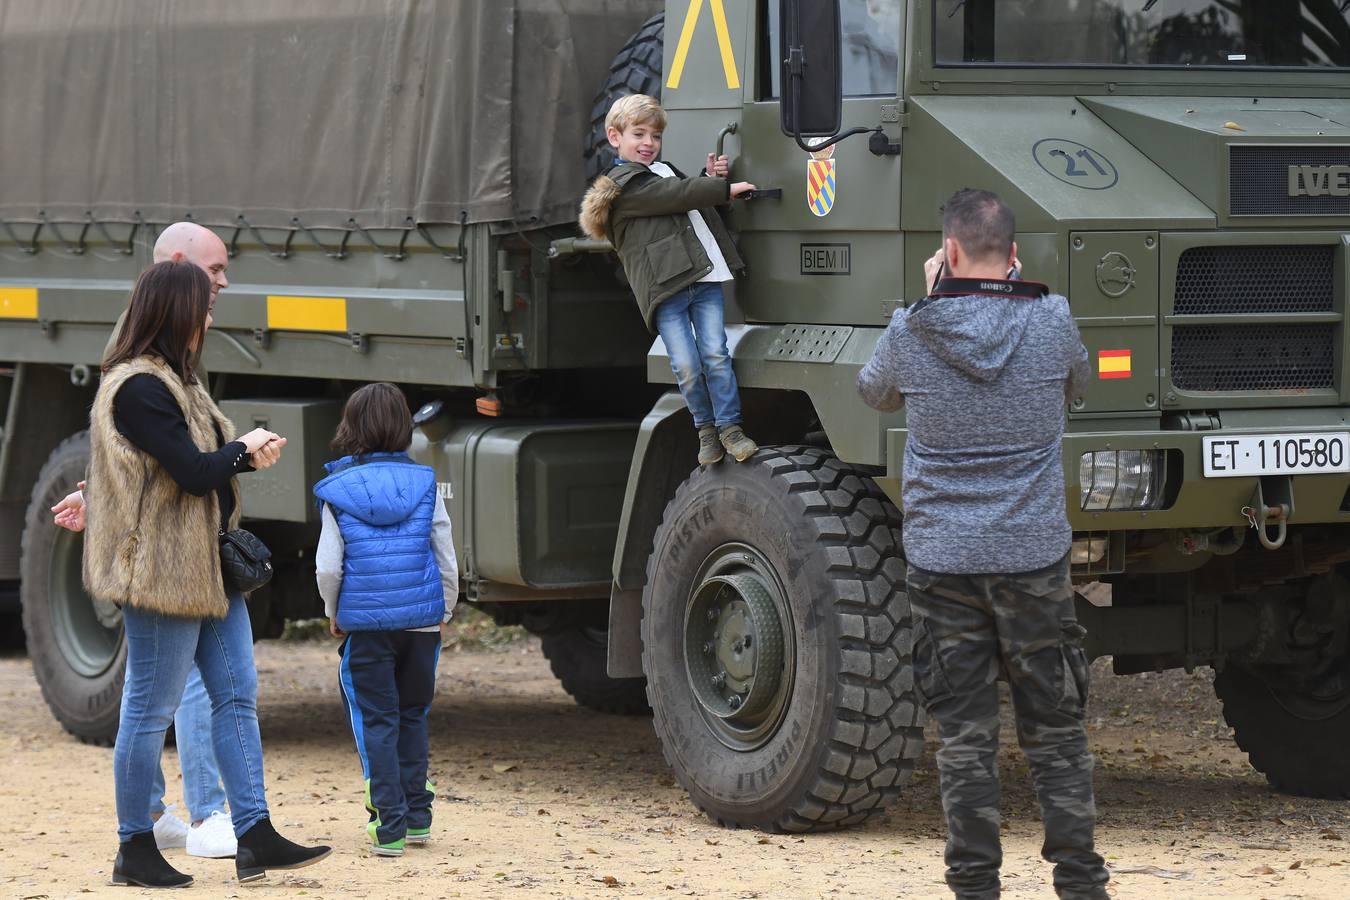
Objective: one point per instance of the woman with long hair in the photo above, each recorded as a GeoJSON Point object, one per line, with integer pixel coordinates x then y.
{"type": "Point", "coordinates": [161, 489]}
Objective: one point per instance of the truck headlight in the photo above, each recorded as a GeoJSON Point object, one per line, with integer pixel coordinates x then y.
{"type": "Point", "coordinates": [1120, 479]}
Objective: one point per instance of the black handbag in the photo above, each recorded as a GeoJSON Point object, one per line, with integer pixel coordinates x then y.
{"type": "Point", "coordinates": [245, 561]}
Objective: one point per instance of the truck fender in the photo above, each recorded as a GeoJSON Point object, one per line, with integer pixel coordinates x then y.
{"type": "Point", "coordinates": [666, 452]}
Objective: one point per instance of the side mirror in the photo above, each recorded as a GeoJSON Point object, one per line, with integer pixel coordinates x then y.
{"type": "Point", "coordinates": [808, 45]}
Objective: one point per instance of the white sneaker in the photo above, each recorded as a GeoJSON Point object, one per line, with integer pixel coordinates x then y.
{"type": "Point", "coordinates": [214, 838]}
{"type": "Point", "coordinates": [170, 831]}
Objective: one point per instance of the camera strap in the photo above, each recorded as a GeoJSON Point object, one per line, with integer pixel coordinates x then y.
{"type": "Point", "coordinates": [983, 287]}
{"type": "Point", "coordinates": [989, 287]}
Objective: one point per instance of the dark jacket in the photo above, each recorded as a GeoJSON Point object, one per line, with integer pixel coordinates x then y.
{"type": "Point", "coordinates": [646, 218]}
{"type": "Point", "coordinates": [984, 381]}
{"type": "Point", "coordinates": [383, 504]}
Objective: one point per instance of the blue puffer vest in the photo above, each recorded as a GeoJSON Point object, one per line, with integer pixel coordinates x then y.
{"type": "Point", "coordinates": [383, 503]}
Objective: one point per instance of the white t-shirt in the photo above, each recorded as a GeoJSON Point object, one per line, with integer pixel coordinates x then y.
{"type": "Point", "coordinates": [720, 270]}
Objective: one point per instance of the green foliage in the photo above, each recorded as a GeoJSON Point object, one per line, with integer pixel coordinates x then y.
{"type": "Point", "coordinates": [470, 631]}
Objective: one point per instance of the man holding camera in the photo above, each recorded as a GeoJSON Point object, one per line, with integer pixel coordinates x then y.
{"type": "Point", "coordinates": [984, 365]}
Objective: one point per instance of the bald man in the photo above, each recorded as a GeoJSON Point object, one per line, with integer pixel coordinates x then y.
{"type": "Point", "coordinates": [212, 832]}
{"type": "Point", "coordinates": [195, 244]}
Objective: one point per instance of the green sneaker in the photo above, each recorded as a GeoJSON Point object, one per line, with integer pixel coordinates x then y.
{"type": "Point", "coordinates": [390, 848]}
{"type": "Point", "coordinates": [709, 447]}
{"type": "Point", "coordinates": [737, 444]}
{"type": "Point", "coordinates": [419, 836]}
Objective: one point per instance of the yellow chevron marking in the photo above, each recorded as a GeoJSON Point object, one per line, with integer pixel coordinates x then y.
{"type": "Point", "coordinates": [719, 16]}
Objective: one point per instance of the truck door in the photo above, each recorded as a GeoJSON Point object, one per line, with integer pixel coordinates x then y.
{"type": "Point", "coordinates": [829, 251]}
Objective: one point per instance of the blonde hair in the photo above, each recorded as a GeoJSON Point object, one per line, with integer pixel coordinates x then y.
{"type": "Point", "coordinates": [635, 109]}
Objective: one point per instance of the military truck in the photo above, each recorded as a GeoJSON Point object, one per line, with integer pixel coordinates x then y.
{"type": "Point", "coordinates": [396, 184]}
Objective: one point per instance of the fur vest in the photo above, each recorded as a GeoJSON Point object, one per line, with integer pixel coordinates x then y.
{"type": "Point", "coordinates": [148, 543]}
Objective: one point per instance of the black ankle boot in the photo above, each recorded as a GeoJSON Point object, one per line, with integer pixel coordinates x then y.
{"type": "Point", "coordinates": [139, 862]}
{"type": "Point", "coordinates": [261, 848]}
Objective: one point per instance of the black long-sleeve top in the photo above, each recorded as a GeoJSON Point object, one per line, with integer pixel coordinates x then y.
{"type": "Point", "coordinates": [148, 415]}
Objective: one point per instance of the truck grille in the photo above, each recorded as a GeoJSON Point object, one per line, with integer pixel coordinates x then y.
{"type": "Point", "coordinates": [1258, 180]}
{"type": "Point", "coordinates": [1237, 280]}
{"type": "Point", "coordinates": [1247, 280]}
{"type": "Point", "coordinates": [1229, 358]}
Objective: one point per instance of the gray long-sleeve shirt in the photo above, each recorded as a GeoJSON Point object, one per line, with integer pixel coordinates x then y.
{"type": "Point", "coordinates": [328, 561]}
{"type": "Point", "coordinates": [984, 380]}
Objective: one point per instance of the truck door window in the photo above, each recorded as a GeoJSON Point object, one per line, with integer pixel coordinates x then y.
{"type": "Point", "coordinates": [1251, 34]}
{"type": "Point", "coordinates": [870, 32]}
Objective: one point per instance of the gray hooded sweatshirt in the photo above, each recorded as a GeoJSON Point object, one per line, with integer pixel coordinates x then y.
{"type": "Point", "coordinates": [984, 380]}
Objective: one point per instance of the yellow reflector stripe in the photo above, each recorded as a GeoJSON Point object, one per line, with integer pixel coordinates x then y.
{"type": "Point", "coordinates": [307, 313]}
{"type": "Point", "coordinates": [18, 303]}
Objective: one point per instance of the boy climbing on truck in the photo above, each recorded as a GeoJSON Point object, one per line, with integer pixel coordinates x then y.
{"type": "Point", "coordinates": [677, 255]}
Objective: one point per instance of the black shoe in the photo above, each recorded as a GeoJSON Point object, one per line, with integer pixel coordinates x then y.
{"type": "Point", "coordinates": [261, 848]}
{"type": "Point", "coordinates": [139, 862]}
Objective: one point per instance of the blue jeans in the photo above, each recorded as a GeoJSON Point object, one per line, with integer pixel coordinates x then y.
{"type": "Point", "coordinates": [160, 652]}
{"type": "Point", "coordinates": [691, 325]}
{"type": "Point", "coordinates": [202, 793]}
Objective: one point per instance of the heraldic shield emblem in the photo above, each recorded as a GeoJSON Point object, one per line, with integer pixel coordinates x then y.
{"type": "Point", "coordinates": [820, 186]}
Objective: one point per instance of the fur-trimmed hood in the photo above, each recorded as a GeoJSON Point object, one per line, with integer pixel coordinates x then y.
{"type": "Point", "coordinates": [595, 207]}
{"type": "Point", "coordinates": [648, 220]}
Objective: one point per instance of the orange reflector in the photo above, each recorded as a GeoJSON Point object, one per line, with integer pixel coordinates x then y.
{"type": "Point", "coordinates": [1113, 364]}
{"type": "Point", "coordinates": [488, 406]}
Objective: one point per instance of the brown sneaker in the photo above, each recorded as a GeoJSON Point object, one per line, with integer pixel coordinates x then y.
{"type": "Point", "coordinates": [709, 447]}
{"type": "Point", "coordinates": [737, 444]}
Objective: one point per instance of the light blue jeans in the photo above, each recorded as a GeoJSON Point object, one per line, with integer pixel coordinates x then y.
{"type": "Point", "coordinates": [160, 652]}
{"type": "Point", "coordinates": [202, 793]}
{"type": "Point", "coordinates": [691, 326]}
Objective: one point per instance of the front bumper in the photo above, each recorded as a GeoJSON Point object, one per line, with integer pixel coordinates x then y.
{"type": "Point", "coordinates": [1189, 500]}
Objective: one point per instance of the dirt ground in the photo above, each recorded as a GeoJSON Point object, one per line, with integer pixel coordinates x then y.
{"type": "Point", "coordinates": [543, 799]}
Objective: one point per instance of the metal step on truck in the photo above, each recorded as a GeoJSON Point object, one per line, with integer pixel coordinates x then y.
{"type": "Point", "coordinates": [397, 185]}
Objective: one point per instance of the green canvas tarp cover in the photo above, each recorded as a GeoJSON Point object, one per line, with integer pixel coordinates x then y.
{"type": "Point", "coordinates": [388, 112]}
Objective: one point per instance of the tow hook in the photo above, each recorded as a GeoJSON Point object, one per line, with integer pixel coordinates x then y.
{"type": "Point", "coordinates": [1263, 515]}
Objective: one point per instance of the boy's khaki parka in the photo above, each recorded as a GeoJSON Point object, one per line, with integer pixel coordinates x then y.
{"type": "Point", "coordinates": [646, 218]}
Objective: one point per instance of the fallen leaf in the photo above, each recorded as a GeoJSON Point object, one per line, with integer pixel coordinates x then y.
{"type": "Point", "coordinates": [1233, 126]}
{"type": "Point", "coordinates": [1263, 870]}
{"type": "Point", "coordinates": [710, 842]}
{"type": "Point", "coordinates": [501, 768]}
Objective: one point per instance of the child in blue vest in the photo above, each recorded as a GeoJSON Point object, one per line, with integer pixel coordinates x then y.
{"type": "Point", "coordinates": [388, 578]}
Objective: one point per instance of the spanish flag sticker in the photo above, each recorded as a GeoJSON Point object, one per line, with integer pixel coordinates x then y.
{"type": "Point", "coordinates": [1113, 364]}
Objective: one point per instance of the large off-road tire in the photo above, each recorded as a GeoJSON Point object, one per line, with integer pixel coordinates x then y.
{"type": "Point", "coordinates": [577, 656]}
{"type": "Point", "coordinates": [635, 70]}
{"type": "Point", "coordinates": [776, 642]}
{"type": "Point", "coordinates": [1296, 738]}
{"type": "Point", "coordinates": [75, 644]}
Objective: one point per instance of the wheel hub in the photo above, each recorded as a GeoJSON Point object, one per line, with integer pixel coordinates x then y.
{"type": "Point", "coordinates": [734, 647]}
{"type": "Point", "coordinates": [88, 632]}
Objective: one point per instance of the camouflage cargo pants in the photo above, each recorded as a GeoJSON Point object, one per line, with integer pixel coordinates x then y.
{"type": "Point", "coordinates": [968, 630]}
